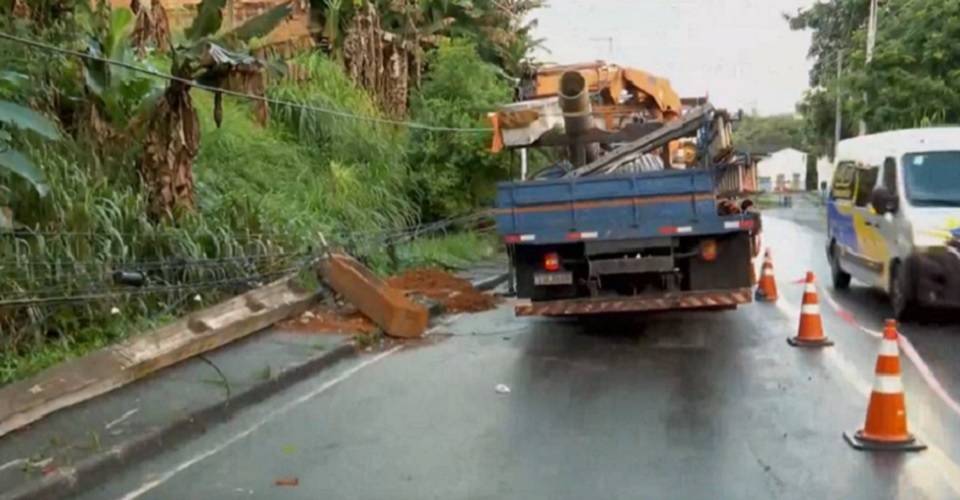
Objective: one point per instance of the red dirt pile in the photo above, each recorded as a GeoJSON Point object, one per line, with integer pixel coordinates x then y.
{"type": "Point", "coordinates": [323, 319]}
{"type": "Point", "coordinates": [456, 294]}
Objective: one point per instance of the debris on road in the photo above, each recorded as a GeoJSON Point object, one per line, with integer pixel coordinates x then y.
{"type": "Point", "coordinates": [387, 306]}
{"type": "Point", "coordinates": [502, 389]}
{"type": "Point", "coordinates": [323, 319]}
{"type": "Point", "coordinates": [456, 294]}
{"type": "Point", "coordinates": [287, 481]}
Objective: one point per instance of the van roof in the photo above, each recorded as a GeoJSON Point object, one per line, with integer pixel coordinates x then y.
{"type": "Point", "coordinates": [875, 147]}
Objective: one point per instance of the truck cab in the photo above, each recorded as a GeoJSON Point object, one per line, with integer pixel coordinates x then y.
{"type": "Point", "coordinates": [893, 207]}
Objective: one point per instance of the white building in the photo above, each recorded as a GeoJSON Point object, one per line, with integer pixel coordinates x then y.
{"type": "Point", "coordinates": [786, 170]}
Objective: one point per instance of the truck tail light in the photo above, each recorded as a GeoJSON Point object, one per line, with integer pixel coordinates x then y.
{"type": "Point", "coordinates": [708, 250]}
{"type": "Point", "coordinates": [551, 262]}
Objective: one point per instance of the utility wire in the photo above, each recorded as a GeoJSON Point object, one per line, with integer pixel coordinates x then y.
{"type": "Point", "coordinates": [28, 297]}
{"type": "Point", "coordinates": [21, 302]}
{"type": "Point", "coordinates": [133, 265]}
{"type": "Point", "coordinates": [209, 88]}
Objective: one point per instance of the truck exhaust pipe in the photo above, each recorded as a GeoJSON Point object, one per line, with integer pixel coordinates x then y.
{"type": "Point", "coordinates": [577, 116]}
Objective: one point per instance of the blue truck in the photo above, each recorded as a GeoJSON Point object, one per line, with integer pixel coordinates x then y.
{"type": "Point", "coordinates": [646, 212]}
{"type": "Point", "coordinates": [621, 243]}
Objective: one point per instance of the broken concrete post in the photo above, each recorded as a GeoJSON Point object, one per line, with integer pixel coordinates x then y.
{"type": "Point", "coordinates": [388, 307]}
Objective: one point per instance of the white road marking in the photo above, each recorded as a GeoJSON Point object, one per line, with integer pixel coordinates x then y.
{"type": "Point", "coordinates": [944, 464]}
{"type": "Point", "coordinates": [927, 374]}
{"type": "Point", "coordinates": [13, 463]}
{"type": "Point", "coordinates": [830, 300]}
{"type": "Point", "coordinates": [123, 417]}
{"type": "Point", "coordinates": [911, 354]}
{"type": "Point", "coordinates": [443, 324]}
{"type": "Point", "coordinates": [150, 485]}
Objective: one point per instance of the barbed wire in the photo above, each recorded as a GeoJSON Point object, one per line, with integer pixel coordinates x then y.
{"type": "Point", "coordinates": [218, 90]}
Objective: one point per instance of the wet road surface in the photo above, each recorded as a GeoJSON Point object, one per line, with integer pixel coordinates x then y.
{"type": "Point", "coordinates": [671, 405]}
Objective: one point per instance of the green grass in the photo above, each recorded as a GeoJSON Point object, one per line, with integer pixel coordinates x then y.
{"type": "Point", "coordinates": [454, 251]}
{"type": "Point", "coordinates": [263, 193]}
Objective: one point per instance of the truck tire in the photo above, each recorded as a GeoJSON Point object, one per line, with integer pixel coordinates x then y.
{"type": "Point", "coordinates": [902, 293]}
{"type": "Point", "coordinates": [840, 278]}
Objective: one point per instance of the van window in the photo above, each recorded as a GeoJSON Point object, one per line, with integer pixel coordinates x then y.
{"type": "Point", "coordinates": [843, 182]}
{"type": "Point", "coordinates": [866, 182]}
{"type": "Point", "coordinates": [932, 179]}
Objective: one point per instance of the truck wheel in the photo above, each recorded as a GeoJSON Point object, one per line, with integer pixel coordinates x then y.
{"type": "Point", "coordinates": [902, 296]}
{"type": "Point", "coordinates": [841, 279]}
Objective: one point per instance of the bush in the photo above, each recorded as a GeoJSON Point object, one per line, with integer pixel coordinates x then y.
{"type": "Point", "coordinates": [454, 173]}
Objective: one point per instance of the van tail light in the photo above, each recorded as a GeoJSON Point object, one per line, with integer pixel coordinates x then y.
{"type": "Point", "coordinates": [551, 262]}
{"type": "Point", "coordinates": [708, 250]}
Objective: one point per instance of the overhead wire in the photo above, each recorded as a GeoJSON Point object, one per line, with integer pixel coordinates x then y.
{"type": "Point", "coordinates": [218, 90]}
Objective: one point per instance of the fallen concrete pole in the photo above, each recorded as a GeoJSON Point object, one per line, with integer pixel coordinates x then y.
{"type": "Point", "coordinates": [388, 307]}
{"type": "Point", "coordinates": [80, 379]}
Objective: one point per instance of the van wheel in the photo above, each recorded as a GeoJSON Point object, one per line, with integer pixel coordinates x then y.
{"type": "Point", "coordinates": [902, 296]}
{"type": "Point", "coordinates": [841, 280]}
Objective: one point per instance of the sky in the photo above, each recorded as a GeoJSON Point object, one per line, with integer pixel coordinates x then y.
{"type": "Point", "coordinates": [741, 53]}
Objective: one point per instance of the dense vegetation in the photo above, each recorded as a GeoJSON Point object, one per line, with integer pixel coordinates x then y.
{"type": "Point", "coordinates": [913, 79]}
{"type": "Point", "coordinates": [142, 198]}
{"type": "Point", "coordinates": [767, 134]}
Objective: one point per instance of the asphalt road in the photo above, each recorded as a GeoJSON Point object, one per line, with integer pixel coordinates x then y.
{"type": "Point", "coordinates": [671, 405]}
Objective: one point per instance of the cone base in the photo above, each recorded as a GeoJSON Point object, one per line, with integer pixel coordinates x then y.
{"type": "Point", "coordinates": [858, 442]}
{"type": "Point", "coordinates": [799, 342]}
{"type": "Point", "coordinates": [759, 296]}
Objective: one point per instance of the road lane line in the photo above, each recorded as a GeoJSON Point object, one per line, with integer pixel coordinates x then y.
{"type": "Point", "coordinates": [13, 463]}
{"type": "Point", "coordinates": [948, 469]}
{"type": "Point", "coordinates": [927, 374]}
{"type": "Point", "coordinates": [911, 353]}
{"type": "Point", "coordinates": [353, 370]}
{"type": "Point", "coordinates": [120, 420]}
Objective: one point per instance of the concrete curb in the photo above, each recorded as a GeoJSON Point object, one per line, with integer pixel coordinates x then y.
{"type": "Point", "coordinates": [94, 469]}
{"type": "Point", "coordinates": [491, 283]}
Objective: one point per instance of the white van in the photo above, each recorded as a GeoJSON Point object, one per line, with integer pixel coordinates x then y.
{"type": "Point", "coordinates": [893, 216]}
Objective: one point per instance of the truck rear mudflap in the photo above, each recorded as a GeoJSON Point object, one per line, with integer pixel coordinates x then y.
{"type": "Point", "coordinates": [656, 302]}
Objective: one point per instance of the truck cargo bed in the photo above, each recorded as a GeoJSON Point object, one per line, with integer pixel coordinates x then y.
{"type": "Point", "coordinates": [642, 205]}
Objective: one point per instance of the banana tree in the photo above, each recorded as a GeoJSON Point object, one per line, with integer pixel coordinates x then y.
{"type": "Point", "coordinates": [173, 130]}
{"type": "Point", "coordinates": [152, 28]}
{"type": "Point", "coordinates": [13, 161]}
{"type": "Point", "coordinates": [117, 94]}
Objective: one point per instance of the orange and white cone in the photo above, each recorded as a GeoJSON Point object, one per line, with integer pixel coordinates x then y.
{"type": "Point", "coordinates": [767, 290]}
{"type": "Point", "coordinates": [886, 424]}
{"type": "Point", "coordinates": [810, 333]}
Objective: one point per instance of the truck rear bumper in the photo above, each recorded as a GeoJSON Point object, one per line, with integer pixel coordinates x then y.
{"type": "Point", "coordinates": [659, 302]}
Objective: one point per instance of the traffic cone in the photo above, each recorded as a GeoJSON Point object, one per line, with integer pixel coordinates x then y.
{"type": "Point", "coordinates": [767, 291]}
{"type": "Point", "coordinates": [810, 333]}
{"type": "Point", "coordinates": [886, 424]}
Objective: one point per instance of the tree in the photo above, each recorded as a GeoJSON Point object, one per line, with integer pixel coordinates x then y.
{"type": "Point", "coordinates": [913, 79]}
{"type": "Point", "coordinates": [455, 172]}
{"type": "Point", "coordinates": [765, 134]}
{"type": "Point", "coordinates": [173, 132]}
{"type": "Point", "coordinates": [813, 176]}
{"type": "Point", "coordinates": [115, 94]}
{"type": "Point", "coordinates": [383, 42]}
{"type": "Point", "coordinates": [13, 161]}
